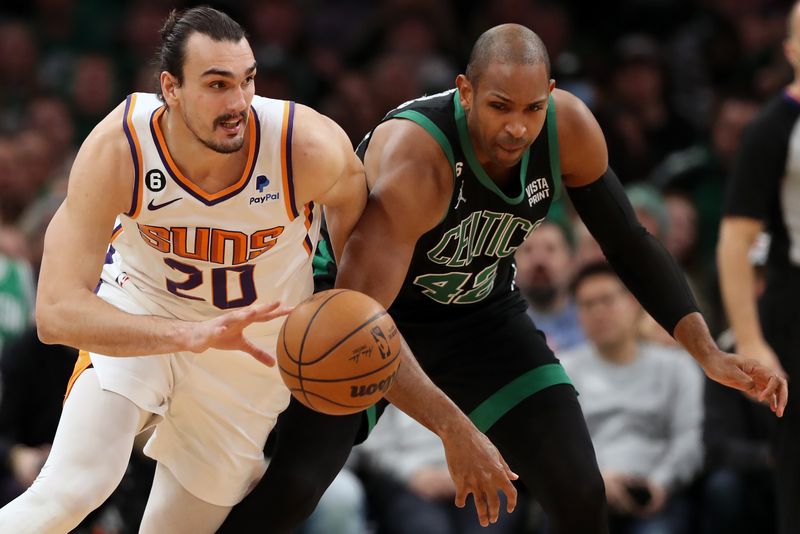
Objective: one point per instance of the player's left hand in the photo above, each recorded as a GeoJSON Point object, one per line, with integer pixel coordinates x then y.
{"type": "Point", "coordinates": [477, 467]}
{"type": "Point", "coordinates": [763, 383]}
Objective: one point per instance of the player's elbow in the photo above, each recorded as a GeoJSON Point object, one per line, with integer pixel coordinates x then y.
{"type": "Point", "coordinates": [46, 325]}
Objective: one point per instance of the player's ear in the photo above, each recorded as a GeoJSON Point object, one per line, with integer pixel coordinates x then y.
{"type": "Point", "coordinates": [169, 87]}
{"type": "Point", "coordinates": [464, 91]}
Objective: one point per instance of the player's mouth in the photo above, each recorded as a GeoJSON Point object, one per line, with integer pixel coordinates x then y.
{"type": "Point", "coordinates": [231, 124]}
{"type": "Point", "coordinates": [511, 149]}
{"type": "Point", "coordinates": [231, 127]}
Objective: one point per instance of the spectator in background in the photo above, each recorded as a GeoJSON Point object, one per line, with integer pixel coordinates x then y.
{"type": "Point", "coordinates": [643, 407]}
{"type": "Point", "coordinates": [410, 486]}
{"type": "Point", "coordinates": [701, 171]}
{"type": "Point", "coordinates": [19, 54]}
{"type": "Point", "coordinates": [544, 269]}
{"type": "Point", "coordinates": [93, 91]}
{"type": "Point", "coordinates": [16, 285]}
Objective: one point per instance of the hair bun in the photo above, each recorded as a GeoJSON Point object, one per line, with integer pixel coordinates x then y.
{"type": "Point", "coordinates": [169, 24]}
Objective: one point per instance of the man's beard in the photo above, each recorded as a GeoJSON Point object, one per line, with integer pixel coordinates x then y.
{"type": "Point", "coordinates": [220, 147]}
{"type": "Point", "coordinates": [541, 297]}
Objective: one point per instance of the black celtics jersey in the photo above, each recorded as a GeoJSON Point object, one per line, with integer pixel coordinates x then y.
{"type": "Point", "coordinates": [466, 263]}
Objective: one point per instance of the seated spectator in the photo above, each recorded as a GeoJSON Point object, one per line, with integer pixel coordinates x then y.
{"type": "Point", "coordinates": [544, 268]}
{"type": "Point", "coordinates": [409, 485]}
{"type": "Point", "coordinates": [643, 408]}
{"type": "Point", "coordinates": [16, 285]}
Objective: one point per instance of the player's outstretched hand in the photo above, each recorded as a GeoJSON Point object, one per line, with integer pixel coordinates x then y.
{"type": "Point", "coordinates": [226, 330]}
{"type": "Point", "coordinates": [763, 383]}
{"type": "Point", "coordinates": [478, 468]}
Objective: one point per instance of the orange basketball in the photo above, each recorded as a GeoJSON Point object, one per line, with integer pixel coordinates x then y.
{"type": "Point", "coordinates": [338, 352]}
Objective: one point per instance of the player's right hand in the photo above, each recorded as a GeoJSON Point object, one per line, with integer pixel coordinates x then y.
{"type": "Point", "coordinates": [478, 468]}
{"type": "Point", "coordinates": [227, 330]}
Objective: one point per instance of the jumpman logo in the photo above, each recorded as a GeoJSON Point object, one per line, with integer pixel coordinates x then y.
{"type": "Point", "coordinates": [460, 196]}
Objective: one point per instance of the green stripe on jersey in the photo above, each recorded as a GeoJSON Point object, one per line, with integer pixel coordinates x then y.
{"type": "Point", "coordinates": [433, 130]}
{"type": "Point", "coordinates": [552, 143]}
{"type": "Point", "coordinates": [516, 391]}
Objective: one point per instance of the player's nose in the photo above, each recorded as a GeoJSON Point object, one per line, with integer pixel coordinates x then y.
{"type": "Point", "coordinates": [515, 129]}
{"type": "Point", "coordinates": [238, 102]}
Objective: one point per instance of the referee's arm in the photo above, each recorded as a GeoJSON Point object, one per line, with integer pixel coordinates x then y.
{"type": "Point", "coordinates": [751, 190]}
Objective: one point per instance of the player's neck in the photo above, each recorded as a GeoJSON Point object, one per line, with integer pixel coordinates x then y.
{"type": "Point", "coordinates": [207, 168]}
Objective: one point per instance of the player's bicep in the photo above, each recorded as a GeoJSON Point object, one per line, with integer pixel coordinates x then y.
{"type": "Point", "coordinates": [378, 254]}
{"type": "Point", "coordinates": [583, 152]}
{"type": "Point", "coordinates": [99, 189]}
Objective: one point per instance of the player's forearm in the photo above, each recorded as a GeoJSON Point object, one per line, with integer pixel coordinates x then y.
{"type": "Point", "coordinates": [737, 284]}
{"type": "Point", "coordinates": [415, 394]}
{"type": "Point", "coordinates": [89, 323]}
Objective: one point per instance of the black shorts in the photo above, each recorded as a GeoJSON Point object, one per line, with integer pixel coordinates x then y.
{"type": "Point", "coordinates": [486, 365]}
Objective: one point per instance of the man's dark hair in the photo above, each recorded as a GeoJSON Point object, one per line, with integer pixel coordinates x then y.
{"type": "Point", "coordinates": [180, 25]}
{"type": "Point", "coordinates": [507, 43]}
{"type": "Point", "coordinates": [597, 268]}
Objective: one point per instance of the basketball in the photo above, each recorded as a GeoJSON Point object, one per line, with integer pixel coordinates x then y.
{"type": "Point", "coordinates": [338, 352]}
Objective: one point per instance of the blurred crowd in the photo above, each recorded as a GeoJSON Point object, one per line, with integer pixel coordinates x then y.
{"type": "Point", "coordinates": [672, 83]}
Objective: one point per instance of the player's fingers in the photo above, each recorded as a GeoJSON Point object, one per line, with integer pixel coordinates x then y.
{"type": "Point", "coordinates": [461, 496]}
{"type": "Point", "coordinates": [783, 397]}
{"type": "Point", "coordinates": [492, 505]}
{"type": "Point", "coordinates": [511, 495]}
{"type": "Point", "coordinates": [769, 389]}
{"type": "Point", "coordinates": [258, 353]}
{"type": "Point", "coordinates": [481, 507]}
{"type": "Point", "coordinates": [275, 313]}
{"type": "Point", "coordinates": [263, 310]}
{"type": "Point", "coordinates": [509, 473]}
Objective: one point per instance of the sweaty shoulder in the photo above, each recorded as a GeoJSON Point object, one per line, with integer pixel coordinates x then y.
{"type": "Point", "coordinates": [403, 161]}
{"type": "Point", "coordinates": [321, 153]}
{"type": "Point", "coordinates": [104, 161]}
{"type": "Point", "coordinates": [583, 151]}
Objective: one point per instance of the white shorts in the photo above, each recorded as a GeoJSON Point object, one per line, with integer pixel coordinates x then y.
{"type": "Point", "coordinates": [213, 411]}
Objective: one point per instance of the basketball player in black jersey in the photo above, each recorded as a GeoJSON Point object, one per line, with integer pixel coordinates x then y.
{"type": "Point", "coordinates": [457, 182]}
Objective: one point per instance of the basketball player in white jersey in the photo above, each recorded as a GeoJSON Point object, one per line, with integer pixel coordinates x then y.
{"type": "Point", "coordinates": [209, 197]}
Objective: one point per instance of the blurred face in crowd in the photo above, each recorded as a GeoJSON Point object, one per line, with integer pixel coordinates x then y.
{"type": "Point", "coordinates": [506, 108]}
{"type": "Point", "coordinates": [607, 311]}
{"type": "Point", "coordinates": [218, 87]}
{"type": "Point", "coordinates": [730, 122]}
{"type": "Point", "coordinates": [544, 265]}
{"type": "Point", "coordinates": [682, 226]}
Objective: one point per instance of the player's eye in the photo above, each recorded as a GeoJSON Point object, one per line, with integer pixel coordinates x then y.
{"type": "Point", "coordinates": [217, 85]}
{"type": "Point", "coordinates": [497, 105]}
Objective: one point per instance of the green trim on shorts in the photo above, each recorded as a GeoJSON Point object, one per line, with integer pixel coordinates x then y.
{"type": "Point", "coordinates": [516, 391]}
{"type": "Point", "coordinates": [372, 418]}
{"type": "Point", "coordinates": [323, 259]}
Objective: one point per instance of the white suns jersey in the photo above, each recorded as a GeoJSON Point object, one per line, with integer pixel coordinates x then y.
{"type": "Point", "coordinates": [194, 254]}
